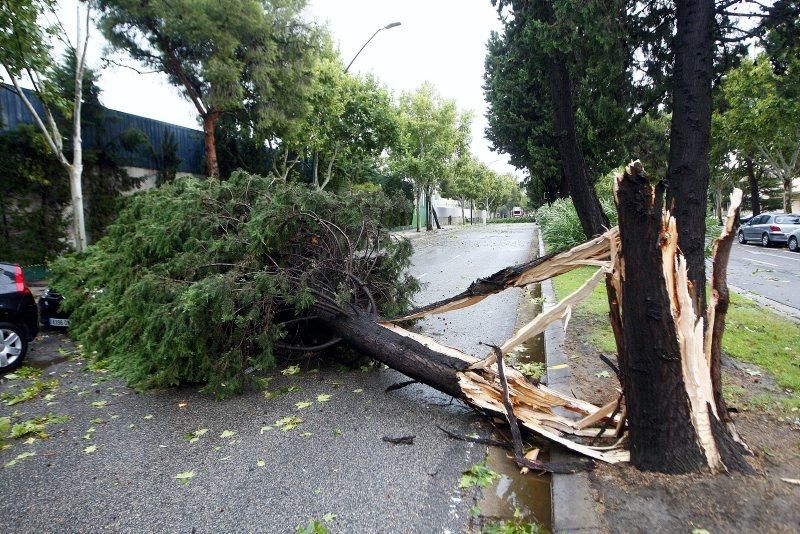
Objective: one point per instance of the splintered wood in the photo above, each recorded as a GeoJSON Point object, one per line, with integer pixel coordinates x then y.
{"type": "Point", "coordinates": [571, 422]}
{"type": "Point", "coordinates": [544, 411]}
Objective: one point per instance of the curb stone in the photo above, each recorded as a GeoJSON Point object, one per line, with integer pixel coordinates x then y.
{"type": "Point", "coordinates": [571, 497]}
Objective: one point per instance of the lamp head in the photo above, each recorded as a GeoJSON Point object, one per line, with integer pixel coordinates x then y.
{"type": "Point", "coordinates": [392, 25]}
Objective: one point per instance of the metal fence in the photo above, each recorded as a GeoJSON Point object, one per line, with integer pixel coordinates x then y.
{"type": "Point", "coordinates": [190, 148]}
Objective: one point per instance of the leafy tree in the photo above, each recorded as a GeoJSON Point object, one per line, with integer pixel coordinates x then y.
{"type": "Point", "coordinates": [35, 194]}
{"type": "Point", "coordinates": [547, 107]}
{"type": "Point", "coordinates": [25, 53]}
{"type": "Point", "coordinates": [349, 123]}
{"type": "Point", "coordinates": [463, 183]}
{"type": "Point", "coordinates": [226, 55]}
{"type": "Point", "coordinates": [431, 133]}
{"type": "Point", "coordinates": [761, 118]}
{"type": "Point", "coordinates": [166, 158]}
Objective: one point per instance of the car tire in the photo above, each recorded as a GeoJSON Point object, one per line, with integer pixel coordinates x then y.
{"type": "Point", "coordinates": [765, 240]}
{"type": "Point", "coordinates": [793, 245]}
{"type": "Point", "coordinates": [741, 238]}
{"type": "Point", "coordinates": [13, 346]}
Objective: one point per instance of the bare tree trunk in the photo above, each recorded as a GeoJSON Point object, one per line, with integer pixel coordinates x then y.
{"type": "Point", "coordinates": [416, 191]}
{"type": "Point", "coordinates": [592, 217]}
{"type": "Point", "coordinates": [210, 141]}
{"type": "Point", "coordinates": [428, 209]}
{"type": "Point", "coordinates": [463, 220]}
{"type": "Point", "coordinates": [752, 180]}
{"type": "Point", "coordinates": [688, 170]}
{"type": "Point", "coordinates": [787, 195]}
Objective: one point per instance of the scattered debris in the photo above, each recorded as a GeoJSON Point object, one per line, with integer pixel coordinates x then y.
{"type": "Point", "coordinates": [402, 440]}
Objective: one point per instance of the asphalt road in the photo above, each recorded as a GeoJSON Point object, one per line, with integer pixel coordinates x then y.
{"type": "Point", "coordinates": [771, 272]}
{"type": "Point", "coordinates": [119, 473]}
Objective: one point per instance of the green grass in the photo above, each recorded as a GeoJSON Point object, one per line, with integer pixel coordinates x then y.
{"type": "Point", "coordinates": [753, 334]}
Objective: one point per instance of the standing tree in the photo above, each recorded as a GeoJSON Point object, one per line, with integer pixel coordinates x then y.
{"type": "Point", "coordinates": [25, 53]}
{"type": "Point", "coordinates": [349, 122]}
{"type": "Point", "coordinates": [431, 133]}
{"type": "Point", "coordinates": [763, 117]}
{"type": "Point", "coordinates": [226, 55]}
{"type": "Point", "coordinates": [463, 183]}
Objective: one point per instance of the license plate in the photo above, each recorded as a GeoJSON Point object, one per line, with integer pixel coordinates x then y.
{"type": "Point", "coordinates": [59, 322]}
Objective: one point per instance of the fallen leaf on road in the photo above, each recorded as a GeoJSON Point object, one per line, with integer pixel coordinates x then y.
{"type": "Point", "coordinates": [261, 463]}
{"type": "Point", "coordinates": [148, 416]}
{"type": "Point", "coordinates": [328, 517]}
{"type": "Point", "coordinates": [359, 390]}
{"type": "Point", "coordinates": [303, 404]}
{"type": "Point", "coordinates": [195, 435]}
{"type": "Point", "coordinates": [185, 476]}
{"type": "Point", "coordinates": [19, 457]}
{"type": "Point", "coordinates": [90, 449]}
{"type": "Point", "coordinates": [288, 423]}
{"type": "Point", "coordinates": [100, 404]}
{"type": "Point", "coordinates": [265, 429]}
{"type": "Point", "coordinates": [603, 374]}
{"type": "Point", "coordinates": [291, 370]}
{"type": "Point", "coordinates": [323, 397]}
{"type": "Point", "coordinates": [227, 434]}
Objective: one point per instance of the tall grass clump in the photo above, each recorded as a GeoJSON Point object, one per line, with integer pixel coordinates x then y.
{"type": "Point", "coordinates": [560, 225]}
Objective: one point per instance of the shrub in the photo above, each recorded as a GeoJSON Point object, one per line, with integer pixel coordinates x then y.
{"type": "Point", "coordinates": [561, 227]}
{"type": "Point", "coordinates": [193, 279]}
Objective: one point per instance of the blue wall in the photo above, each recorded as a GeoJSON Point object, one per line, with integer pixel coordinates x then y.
{"type": "Point", "coordinates": [190, 142]}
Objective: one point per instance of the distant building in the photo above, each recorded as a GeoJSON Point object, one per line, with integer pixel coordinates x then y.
{"type": "Point", "coordinates": [139, 163]}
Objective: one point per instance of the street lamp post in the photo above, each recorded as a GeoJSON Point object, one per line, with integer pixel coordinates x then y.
{"type": "Point", "coordinates": [387, 27]}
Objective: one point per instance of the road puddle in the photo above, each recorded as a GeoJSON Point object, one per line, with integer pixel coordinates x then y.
{"type": "Point", "coordinates": [524, 497]}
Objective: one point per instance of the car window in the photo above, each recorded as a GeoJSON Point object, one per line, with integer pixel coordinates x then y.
{"type": "Point", "coordinates": [760, 219]}
{"type": "Point", "coordinates": [6, 276]}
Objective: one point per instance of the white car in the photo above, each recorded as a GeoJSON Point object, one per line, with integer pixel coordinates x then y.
{"type": "Point", "coordinates": [794, 241]}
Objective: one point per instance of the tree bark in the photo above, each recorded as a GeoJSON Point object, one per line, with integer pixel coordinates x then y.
{"type": "Point", "coordinates": [752, 180]}
{"type": "Point", "coordinates": [787, 195]}
{"type": "Point", "coordinates": [687, 169]}
{"type": "Point", "coordinates": [210, 140]}
{"type": "Point", "coordinates": [428, 209]}
{"type": "Point", "coordinates": [363, 333]}
{"type": "Point", "coordinates": [418, 212]}
{"type": "Point", "coordinates": [590, 212]}
{"type": "Point", "coordinates": [672, 414]}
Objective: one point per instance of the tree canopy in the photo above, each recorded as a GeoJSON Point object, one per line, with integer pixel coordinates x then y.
{"type": "Point", "coordinates": [229, 55]}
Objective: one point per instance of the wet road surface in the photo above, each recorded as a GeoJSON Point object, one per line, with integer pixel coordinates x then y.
{"type": "Point", "coordinates": [113, 464]}
{"type": "Point", "coordinates": [771, 272]}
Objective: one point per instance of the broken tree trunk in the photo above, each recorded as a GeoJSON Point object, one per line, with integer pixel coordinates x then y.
{"type": "Point", "coordinates": [673, 420]}
{"type": "Point", "coordinates": [477, 383]}
{"type": "Point", "coordinates": [669, 410]}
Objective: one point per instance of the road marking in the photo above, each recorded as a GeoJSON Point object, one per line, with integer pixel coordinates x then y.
{"type": "Point", "coordinates": [782, 256]}
{"type": "Point", "coordinates": [764, 263]}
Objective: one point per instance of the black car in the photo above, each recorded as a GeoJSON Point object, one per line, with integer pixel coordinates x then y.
{"type": "Point", "coordinates": [50, 314]}
{"type": "Point", "coordinates": [19, 320]}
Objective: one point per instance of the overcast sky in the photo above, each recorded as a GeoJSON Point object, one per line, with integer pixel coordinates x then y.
{"type": "Point", "coordinates": [440, 41]}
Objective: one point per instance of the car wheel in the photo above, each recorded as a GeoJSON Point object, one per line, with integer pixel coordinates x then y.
{"type": "Point", "coordinates": [742, 240]}
{"type": "Point", "coordinates": [793, 246]}
{"type": "Point", "coordinates": [13, 346]}
{"type": "Point", "coordinates": [765, 240]}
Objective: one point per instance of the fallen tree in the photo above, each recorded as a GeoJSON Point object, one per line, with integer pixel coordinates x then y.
{"type": "Point", "coordinates": [253, 267]}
